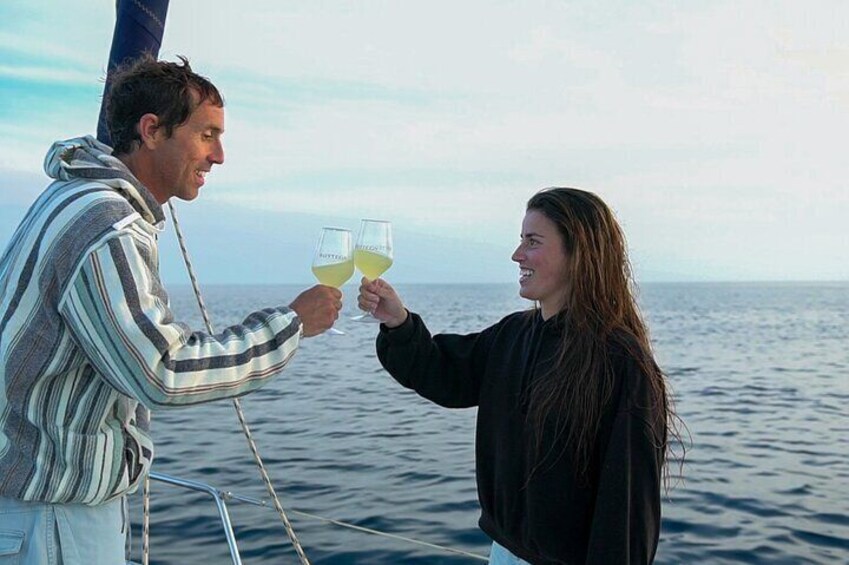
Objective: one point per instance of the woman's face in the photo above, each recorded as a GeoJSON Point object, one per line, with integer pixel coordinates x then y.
{"type": "Point", "coordinates": [543, 265]}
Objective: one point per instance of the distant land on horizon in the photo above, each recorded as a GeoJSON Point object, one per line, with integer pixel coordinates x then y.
{"type": "Point", "coordinates": [420, 258]}
{"type": "Point", "coordinates": [354, 283]}
{"type": "Point", "coordinates": [277, 248]}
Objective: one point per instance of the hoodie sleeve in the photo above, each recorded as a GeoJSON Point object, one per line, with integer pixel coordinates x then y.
{"type": "Point", "coordinates": [626, 520]}
{"type": "Point", "coordinates": [446, 369]}
{"type": "Point", "coordinates": [118, 313]}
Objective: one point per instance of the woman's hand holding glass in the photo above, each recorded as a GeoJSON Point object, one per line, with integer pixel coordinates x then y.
{"type": "Point", "coordinates": [373, 254]}
{"type": "Point", "coordinates": [379, 298]}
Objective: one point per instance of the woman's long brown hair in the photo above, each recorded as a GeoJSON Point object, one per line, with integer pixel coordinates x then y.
{"type": "Point", "coordinates": [599, 310]}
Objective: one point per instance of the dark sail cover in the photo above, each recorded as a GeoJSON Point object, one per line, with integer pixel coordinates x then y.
{"type": "Point", "coordinates": [139, 25]}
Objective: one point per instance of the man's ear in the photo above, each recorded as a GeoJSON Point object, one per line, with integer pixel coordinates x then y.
{"type": "Point", "coordinates": [149, 130]}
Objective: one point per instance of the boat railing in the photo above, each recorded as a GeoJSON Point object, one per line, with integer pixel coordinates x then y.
{"type": "Point", "coordinates": [221, 497]}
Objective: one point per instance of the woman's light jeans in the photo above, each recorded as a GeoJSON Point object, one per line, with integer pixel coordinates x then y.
{"type": "Point", "coordinates": [498, 555]}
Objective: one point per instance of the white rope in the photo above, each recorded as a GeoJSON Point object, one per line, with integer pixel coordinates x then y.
{"type": "Point", "coordinates": [265, 478]}
{"type": "Point", "coordinates": [388, 535]}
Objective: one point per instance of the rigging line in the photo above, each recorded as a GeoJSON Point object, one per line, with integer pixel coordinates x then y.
{"type": "Point", "coordinates": [228, 495]}
{"type": "Point", "coordinates": [237, 405]}
{"type": "Point", "coordinates": [388, 535]}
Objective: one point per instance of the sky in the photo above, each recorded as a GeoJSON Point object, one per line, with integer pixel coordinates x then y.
{"type": "Point", "coordinates": [716, 131]}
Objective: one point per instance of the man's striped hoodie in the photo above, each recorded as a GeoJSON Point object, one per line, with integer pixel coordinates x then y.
{"type": "Point", "coordinates": [88, 343]}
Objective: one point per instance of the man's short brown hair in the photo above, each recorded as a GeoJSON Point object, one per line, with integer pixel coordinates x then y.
{"type": "Point", "coordinates": [171, 91]}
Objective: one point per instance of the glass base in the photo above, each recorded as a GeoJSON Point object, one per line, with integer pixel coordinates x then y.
{"type": "Point", "coordinates": [367, 318]}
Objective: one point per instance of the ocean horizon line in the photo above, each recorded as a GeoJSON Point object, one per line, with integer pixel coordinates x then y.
{"type": "Point", "coordinates": [741, 282]}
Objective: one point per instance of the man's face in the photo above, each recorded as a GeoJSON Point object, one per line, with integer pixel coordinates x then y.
{"type": "Point", "coordinates": [181, 162]}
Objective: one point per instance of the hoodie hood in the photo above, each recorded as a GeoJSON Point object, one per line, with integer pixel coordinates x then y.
{"type": "Point", "coordinates": [85, 158]}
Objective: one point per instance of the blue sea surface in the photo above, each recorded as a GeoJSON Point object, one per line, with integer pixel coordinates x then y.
{"type": "Point", "coordinates": [760, 376]}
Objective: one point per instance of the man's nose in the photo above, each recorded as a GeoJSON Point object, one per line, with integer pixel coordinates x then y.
{"type": "Point", "coordinates": [217, 155]}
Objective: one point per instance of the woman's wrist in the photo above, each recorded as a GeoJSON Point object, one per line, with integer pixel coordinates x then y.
{"type": "Point", "coordinates": [396, 322]}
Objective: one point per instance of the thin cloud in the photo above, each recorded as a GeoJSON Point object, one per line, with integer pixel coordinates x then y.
{"type": "Point", "coordinates": [50, 75]}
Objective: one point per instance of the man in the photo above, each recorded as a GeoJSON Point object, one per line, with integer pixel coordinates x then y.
{"type": "Point", "coordinates": [88, 343]}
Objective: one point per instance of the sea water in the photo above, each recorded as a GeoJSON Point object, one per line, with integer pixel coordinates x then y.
{"type": "Point", "coordinates": [760, 376]}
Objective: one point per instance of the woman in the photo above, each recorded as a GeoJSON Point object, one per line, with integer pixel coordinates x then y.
{"type": "Point", "coordinates": [572, 410]}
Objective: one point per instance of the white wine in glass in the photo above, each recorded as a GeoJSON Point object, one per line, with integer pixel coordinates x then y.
{"type": "Point", "coordinates": [373, 254]}
{"type": "Point", "coordinates": [333, 263]}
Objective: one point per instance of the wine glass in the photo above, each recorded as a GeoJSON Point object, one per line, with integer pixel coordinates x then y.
{"type": "Point", "coordinates": [333, 263]}
{"type": "Point", "coordinates": [373, 254]}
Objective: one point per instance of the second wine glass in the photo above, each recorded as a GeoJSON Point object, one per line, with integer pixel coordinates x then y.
{"type": "Point", "coordinates": [373, 254]}
{"type": "Point", "coordinates": [333, 263]}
